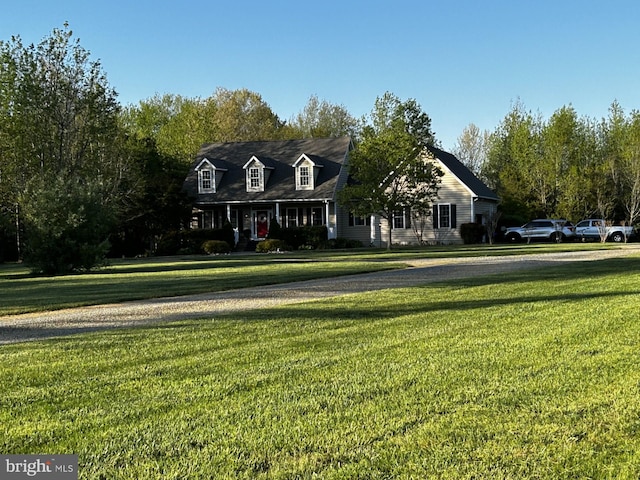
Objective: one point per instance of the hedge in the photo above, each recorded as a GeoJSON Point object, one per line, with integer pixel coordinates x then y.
{"type": "Point", "coordinates": [472, 232]}
{"type": "Point", "coordinates": [191, 241]}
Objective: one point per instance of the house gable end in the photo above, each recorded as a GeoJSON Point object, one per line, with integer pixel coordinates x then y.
{"type": "Point", "coordinates": [462, 174]}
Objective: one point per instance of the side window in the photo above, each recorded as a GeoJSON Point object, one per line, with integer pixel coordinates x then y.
{"type": "Point", "coordinates": [444, 216]}
{"type": "Point", "coordinates": [355, 221]}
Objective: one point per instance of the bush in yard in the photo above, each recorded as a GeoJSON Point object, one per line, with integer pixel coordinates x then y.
{"type": "Point", "coordinates": [472, 232]}
{"type": "Point", "coordinates": [340, 243]}
{"type": "Point", "coordinates": [215, 247]}
{"type": "Point", "coordinates": [272, 245]}
{"type": "Point", "coordinates": [275, 230]}
{"type": "Point", "coordinates": [192, 241]}
{"type": "Point", "coordinates": [308, 236]}
{"type": "Point", "coordinates": [66, 227]}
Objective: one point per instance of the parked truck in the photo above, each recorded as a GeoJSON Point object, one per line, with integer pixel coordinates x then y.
{"type": "Point", "coordinates": [599, 229]}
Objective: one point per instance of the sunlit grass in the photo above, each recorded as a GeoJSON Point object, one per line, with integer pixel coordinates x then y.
{"type": "Point", "coordinates": [171, 276]}
{"type": "Point", "coordinates": [528, 375]}
{"type": "Point", "coordinates": [162, 278]}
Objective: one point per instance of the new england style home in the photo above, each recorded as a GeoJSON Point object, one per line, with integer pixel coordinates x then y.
{"type": "Point", "coordinates": [296, 182]}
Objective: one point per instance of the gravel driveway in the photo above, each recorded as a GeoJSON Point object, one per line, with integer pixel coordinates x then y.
{"type": "Point", "coordinates": [37, 326]}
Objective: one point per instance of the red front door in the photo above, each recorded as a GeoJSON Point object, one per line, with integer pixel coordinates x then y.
{"type": "Point", "coordinates": [262, 219]}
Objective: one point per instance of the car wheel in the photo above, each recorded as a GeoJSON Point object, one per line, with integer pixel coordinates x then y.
{"type": "Point", "coordinates": [513, 238]}
{"type": "Point", "coordinates": [556, 237]}
{"type": "Point", "coordinates": [617, 237]}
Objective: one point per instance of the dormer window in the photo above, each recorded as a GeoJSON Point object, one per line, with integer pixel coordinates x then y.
{"type": "Point", "coordinates": [205, 179]}
{"type": "Point", "coordinates": [306, 173]}
{"type": "Point", "coordinates": [255, 179]}
{"type": "Point", "coordinates": [208, 176]}
{"type": "Point", "coordinates": [257, 174]}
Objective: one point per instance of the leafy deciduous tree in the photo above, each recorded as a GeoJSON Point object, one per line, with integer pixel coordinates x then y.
{"type": "Point", "coordinates": [471, 148]}
{"type": "Point", "coordinates": [320, 119]}
{"type": "Point", "coordinates": [243, 115]}
{"type": "Point", "coordinates": [58, 149]}
{"type": "Point", "coordinates": [388, 168]}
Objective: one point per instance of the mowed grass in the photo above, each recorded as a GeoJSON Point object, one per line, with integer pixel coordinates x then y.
{"type": "Point", "coordinates": [136, 279]}
{"type": "Point", "coordinates": [530, 375]}
{"type": "Point", "coordinates": [152, 278]}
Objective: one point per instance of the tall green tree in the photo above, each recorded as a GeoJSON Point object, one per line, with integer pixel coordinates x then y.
{"type": "Point", "coordinates": [612, 140]}
{"type": "Point", "coordinates": [471, 148]}
{"type": "Point", "coordinates": [193, 125]}
{"type": "Point", "coordinates": [560, 144]}
{"type": "Point", "coordinates": [58, 152]}
{"type": "Point", "coordinates": [155, 204]}
{"type": "Point", "coordinates": [321, 119]}
{"type": "Point", "coordinates": [243, 115]}
{"type": "Point", "coordinates": [631, 170]}
{"type": "Point", "coordinates": [388, 167]}
{"type": "Point", "coordinates": [514, 149]}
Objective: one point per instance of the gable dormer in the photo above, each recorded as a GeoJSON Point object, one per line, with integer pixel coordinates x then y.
{"type": "Point", "coordinates": [209, 176]}
{"type": "Point", "coordinates": [306, 173]}
{"type": "Point", "coordinates": [257, 174]}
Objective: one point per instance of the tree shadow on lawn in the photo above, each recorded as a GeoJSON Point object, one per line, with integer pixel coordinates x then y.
{"type": "Point", "coordinates": [339, 307]}
{"type": "Point", "coordinates": [564, 272]}
{"type": "Point", "coordinates": [342, 308]}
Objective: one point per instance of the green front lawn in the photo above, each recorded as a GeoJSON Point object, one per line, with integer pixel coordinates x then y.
{"type": "Point", "coordinates": [171, 276]}
{"type": "Point", "coordinates": [140, 279]}
{"type": "Point", "coordinates": [529, 375]}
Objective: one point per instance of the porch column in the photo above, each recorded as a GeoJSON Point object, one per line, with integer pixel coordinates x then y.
{"type": "Point", "coordinates": [331, 231]}
{"type": "Point", "coordinates": [229, 211]}
{"type": "Point", "coordinates": [372, 230]}
{"type": "Point", "coordinates": [278, 214]}
{"type": "Point", "coordinates": [473, 209]}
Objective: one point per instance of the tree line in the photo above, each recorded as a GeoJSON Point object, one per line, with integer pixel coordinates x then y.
{"type": "Point", "coordinates": [566, 166]}
{"type": "Point", "coordinates": [83, 177]}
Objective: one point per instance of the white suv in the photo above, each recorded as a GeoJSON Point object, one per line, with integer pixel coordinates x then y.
{"type": "Point", "coordinates": [556, 230]}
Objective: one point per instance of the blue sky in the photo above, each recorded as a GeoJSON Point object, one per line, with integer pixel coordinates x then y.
{"type": "Point", "coordinates": [464, 61]}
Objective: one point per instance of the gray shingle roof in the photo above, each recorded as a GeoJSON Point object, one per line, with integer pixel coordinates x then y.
{"type": "Point", "coordinates": [330, 153]}
{"type": "Point", "coordinates": [279, 157]}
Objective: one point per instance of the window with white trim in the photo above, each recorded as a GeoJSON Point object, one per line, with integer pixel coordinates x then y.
{"type": "Point", "coordinates": [401, 219]}
{"type": "Point", "coordinates": [304, 176]}
{"type": "Point", "coordinates": [444, 215]}
{"type": "Point", "coordinates": [316, 216]}
{"type": "Point", "coordinates": [306, 173]}
{"type": "Point", "coordinates": [292, 218]}
{"type": "Point", "coordinates": [254, 179]}
{"type": "Point", "coordinates": [208, 176]}
{"type": "Point", "coordinates": [206, 180]}
{"type": "Point", "coordinates": [358, 221]}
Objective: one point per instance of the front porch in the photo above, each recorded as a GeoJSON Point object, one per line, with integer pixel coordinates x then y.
{"type": "Point", "coordinates": [252, 221]}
